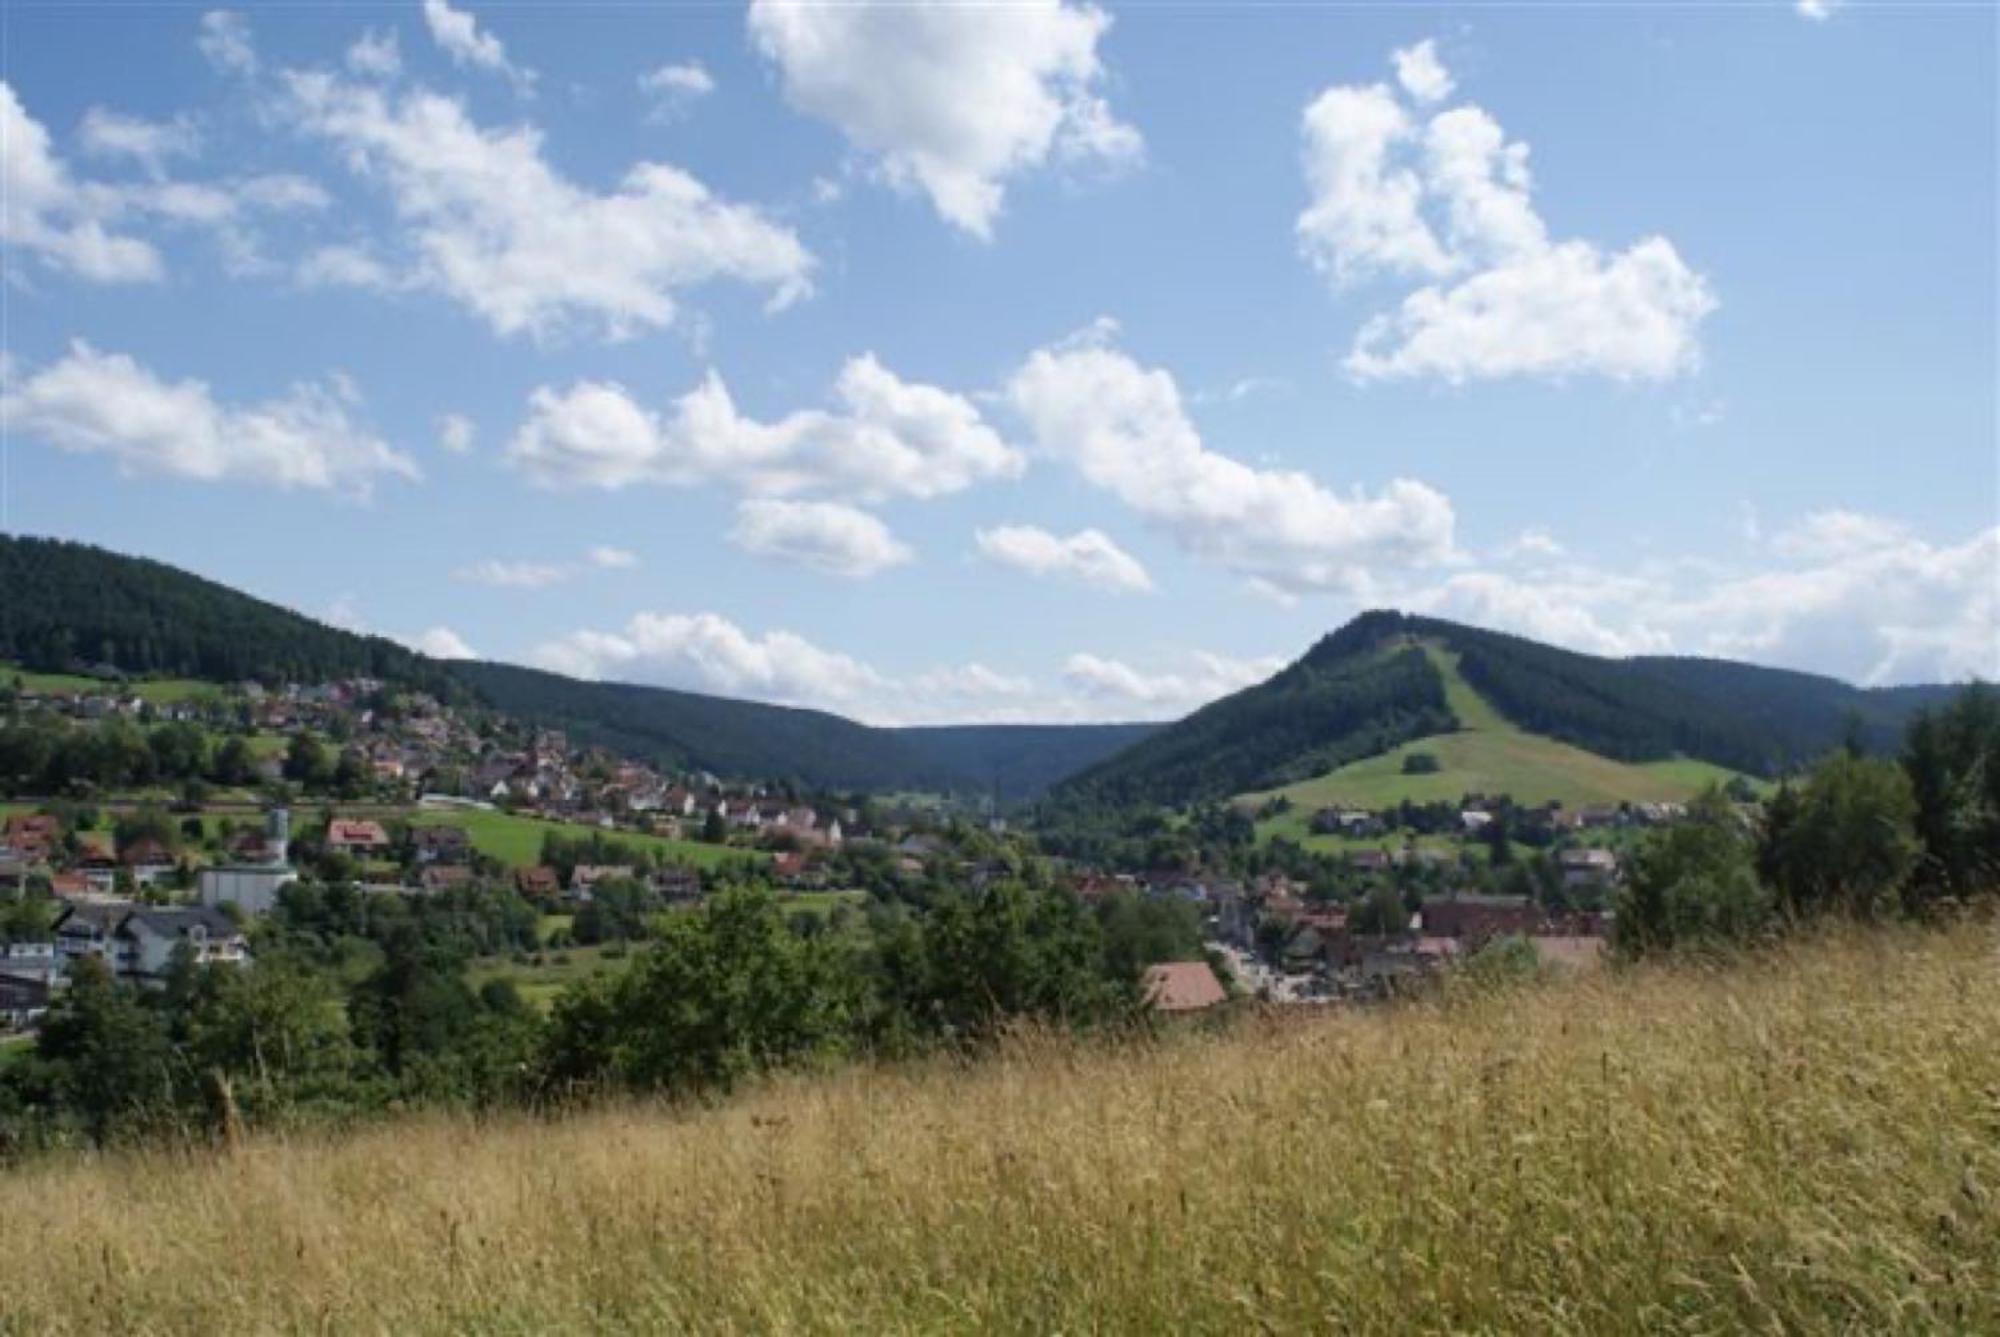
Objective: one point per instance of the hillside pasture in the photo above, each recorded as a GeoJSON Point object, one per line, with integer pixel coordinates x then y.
{"type": "Point", "coordinates": [516, 840]}
{"type": "Point", "coordinates": [1488, 754]}
{"type": "Point", "coordinates": [159, 691]}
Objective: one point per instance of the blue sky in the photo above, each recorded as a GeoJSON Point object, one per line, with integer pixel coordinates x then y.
{"type": "Point", "coordinates": [1044, 361]}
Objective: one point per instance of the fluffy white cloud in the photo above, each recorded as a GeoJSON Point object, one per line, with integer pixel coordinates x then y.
{"type": "Point", "coordinates": [707, 652]}
{"type": "Point", "coordinates": [952, 100]}
{"type": "Point", "coordinates": [1567, 310]}
{"type": "Point", "coordinates": [1452, 203]}
{"type": "Point", "coordinates": [45, 212]}
{"type": "Point", "coordinates": [888, 437]}
{"type": "Point", "coordinates": [1123, 427]}
{"type": "Point", "coordinates": [108, 404]}
{"type": "Point", "coordinates": [1365, 216]}
{"type": "Point", "coordinates": [1819, 11]}
{"type": "Point", "coordinates": [342, 266]}
{"type": "Point", "coordinates": [458, 34]}
{"type": "Point", "coordinates": [1836, 534]}
{"type": "Point", "coordinates": [1420, 72]}
{"type": "Point", "coordinates": [1088, 556]}
{"type": "Point", "coordinates": [109, 134]}
{"type": "Point", "coordinates": [515, 575]}
{"type": "Point", "coordinates": [1854, 595]}
{"type": "Point", "coordinates": [612, 559]}
{"type": "Point", "coordinates": [492, 225]}
{"type": "Point", "coordinates": [824, 535]}
{"type": "Point", "coordinates": [673, 88]}
{"type": "Point", "coordinates": [67, 223]}
{"type": "Point", "coordinates": [455, 433]}
{"type": "Point", "coordinates": [376, 55]}
{"type": "Point", "coordinates": [225, 42]}
{"type": "Point", "coordinates": [441, 643]}
{"type": "Point", "coordinates": [1165, 694]}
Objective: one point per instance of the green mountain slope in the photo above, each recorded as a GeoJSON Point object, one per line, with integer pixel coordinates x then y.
{"type": "Point", "coordinates": [1489, 754]}
{"type": "Point", "coordinates": [66, 606]}
{"type": "Point", "coordinates": [1503, 713]}
{"type": "Point", "coordinates": [748, 738]}
{"type": "Point", "coordinates": [1355, 694]}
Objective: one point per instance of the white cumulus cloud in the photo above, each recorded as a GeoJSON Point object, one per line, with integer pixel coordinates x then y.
{"type": "Point", "coordinates": [612, 559]}
{"type": "Point", "coordinates": [376, 55]}
{"type": "Point", "coordinates": [824, 535]}
{"type": "Point", "coordinates": [492, 225]}
{"type": "Point", "coordinates": [93, 403]}
{"type": "Point", "coordinates": [1123, 427]}
{"type": "Point", "coordinates": [1164, 694]}
{"type": "Point", "coordinates": [953, 100]}
{"type": "Point", "coordinates": [709, 652]}
{"type": "Point", "coordinates": [1087, 556]}
{"type": "Point", "coordinates": [111, 134]}
{"type": "Point", "coordinates": [1841, 592]}
{"type": "Point", "coordinates": [459, 36]}
{"type": "Point", "coordinates": [46, 213]}
{"type": "Point", "coordinates": [1420, 72]}
{"type": "Point", "coordinates": [455, 433]}
{"type": "Point", "coordinates": [441, 643]}
{"type": "Point", "coordinates": [887, 437]}
{"type": "Point", "coordinates": [672, 89]}
{"type": "Point", "coordinates": [86, 227]}
{"type": "Point", "coordinates": [225, 42]}
{"type": "Point", "coordinates": [1449, 203]}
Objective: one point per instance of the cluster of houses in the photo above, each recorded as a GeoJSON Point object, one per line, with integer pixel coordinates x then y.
{"type": "Point", "coordinates": [1318, 951]}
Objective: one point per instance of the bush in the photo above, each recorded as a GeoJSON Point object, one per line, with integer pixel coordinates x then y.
{"type": "Point", "coordinates": [1693, 884]}
{"type": "Point", "coordinates": [1421, 763]}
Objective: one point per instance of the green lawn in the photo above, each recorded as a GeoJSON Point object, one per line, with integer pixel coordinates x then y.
{"type": "Point", "coordinates": [160, 691]}
{"type": "Point", "coordinates": [1490, 755]}
{"type": "Point", "coordinates": [540, 984]}
{"type": "Point", "coordinates": [517, 840]}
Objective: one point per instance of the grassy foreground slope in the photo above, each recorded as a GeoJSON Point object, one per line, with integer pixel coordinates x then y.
{"type": "Point", "coordinates": [1489, 754]}
{"type": "Point", "coordinates": [1809, 1142]}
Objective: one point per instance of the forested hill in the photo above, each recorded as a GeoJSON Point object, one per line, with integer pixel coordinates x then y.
{"type": "Point", "coordinates": [1367, 687]}
{"type": "Point", "coordinates": [69, 606]}
{"type": "Point", "coordinates": [747, 738]}
{"type": "Point", "coordinates": [1355, 694]}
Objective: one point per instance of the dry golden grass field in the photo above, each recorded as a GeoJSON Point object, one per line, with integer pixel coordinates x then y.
{"type": "Point", "coordinates": [1809, 1142]}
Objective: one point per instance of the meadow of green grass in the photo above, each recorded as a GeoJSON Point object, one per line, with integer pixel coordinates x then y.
{"type": "Point", "coordinates": [1802, 1142]}
{"type": "Point", "coordinates": [539, 984]}
{"type": "Point", "coordinates": [160, 691]}
{"type": "Point", "coordinates": [516, 840]}
{"type": "Point", "coordinates": [1488, 754]}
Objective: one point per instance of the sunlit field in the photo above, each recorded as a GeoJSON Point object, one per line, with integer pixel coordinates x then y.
{"type": "Point", "coordinates": [1809, 1141]}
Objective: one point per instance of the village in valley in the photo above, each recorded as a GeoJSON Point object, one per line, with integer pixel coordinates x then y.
{"type": "Point", "coordinates": [172, 818]}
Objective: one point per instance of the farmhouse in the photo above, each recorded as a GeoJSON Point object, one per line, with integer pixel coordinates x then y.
{"type": "Point", "coordinates": [356, 837]}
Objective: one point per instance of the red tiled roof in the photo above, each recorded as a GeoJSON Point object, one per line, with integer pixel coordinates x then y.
{"type": "Point", "coordinates": [1183, 986]}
